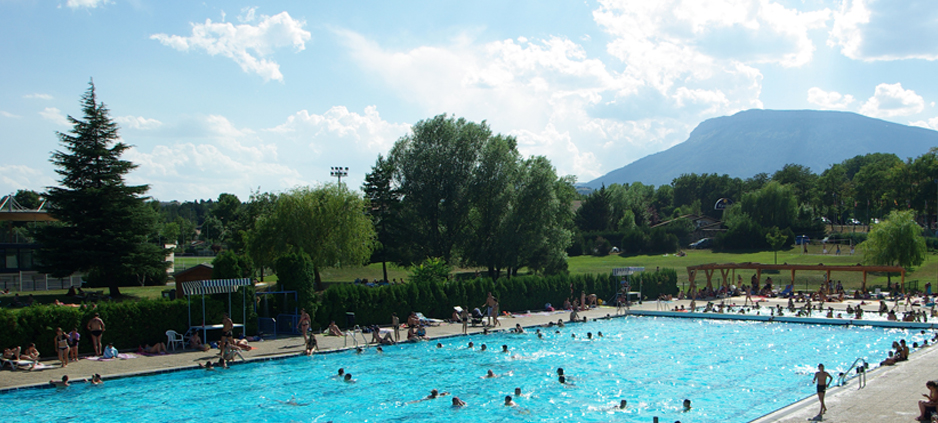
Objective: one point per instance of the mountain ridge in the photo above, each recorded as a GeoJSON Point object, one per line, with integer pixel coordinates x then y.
{"type": "Point", "coordinates": [758, 140]}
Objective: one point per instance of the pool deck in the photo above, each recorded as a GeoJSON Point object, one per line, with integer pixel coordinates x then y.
{"type": "Point", "coordinates": [891, 394]}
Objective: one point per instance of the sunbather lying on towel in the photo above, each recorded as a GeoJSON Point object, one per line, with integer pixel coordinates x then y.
{"type": "Point", "coordinates": [334, 330]}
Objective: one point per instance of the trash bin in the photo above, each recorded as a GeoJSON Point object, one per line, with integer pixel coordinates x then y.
{"type": "Point", "coordinates": [350, 319]}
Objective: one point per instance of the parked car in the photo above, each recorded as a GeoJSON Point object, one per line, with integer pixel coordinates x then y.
{"type": "Point", "coordinates": [702, 243]}
{"type": "Point", "coordinates": [853, 221]}
{"type": "Point", "coordinates": [802, 239]}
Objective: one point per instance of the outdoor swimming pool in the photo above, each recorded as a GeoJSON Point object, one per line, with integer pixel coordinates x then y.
{"type": "Point", "coordinates": [733, 371]}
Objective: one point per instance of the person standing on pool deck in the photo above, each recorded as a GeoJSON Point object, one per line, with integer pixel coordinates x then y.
{"type": "Point", "coordinates": [464, 316]}
{"type": "Point", "coordinates": [227, 329]}
{"type": "Point", "coordinates": [303, 324]}
{"type": "Point", "coordinates": [490, 304]}
{"type": "Point", "coordinates": [822, 378]}
{"type": "Point", "coordinates": [396, 323]}
{"type": "Point", "coordinates": [96, 326]}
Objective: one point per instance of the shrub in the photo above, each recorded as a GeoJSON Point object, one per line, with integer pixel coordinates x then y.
{"type": "Point", "coordinates": [601, 247]}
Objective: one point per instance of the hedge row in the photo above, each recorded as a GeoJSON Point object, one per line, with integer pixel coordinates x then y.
{"type": "Point", "coordinates": [128, 324]}
{"type": "Point", "coordinates": [437, 299]}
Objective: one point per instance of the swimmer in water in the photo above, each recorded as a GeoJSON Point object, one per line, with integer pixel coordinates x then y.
{"type": "Point", "coordinates": [490, 374]}
{"type": "Point", "coordinates": [622, 404]}
{"type": "Point", "coordinates": [504, 348]}
{"type": "Point", "coordinates": [340, 375]}
{"type": "Point", "coordinates": [482, 348]}
{"type": "Point", "coordinates": [509, 402]}
{"type": "Point", "coordinates": [458, 402]}
{"type": "Point", "coordinates": [471, 345]}
{"type": "Point", "coordinates": [348, 378]}
{"type": "Point", "coordinates": [686, 405]}
{"type": "Point", "coordinates": [292, 401]}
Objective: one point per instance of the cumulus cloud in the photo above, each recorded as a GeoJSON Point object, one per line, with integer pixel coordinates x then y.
{"type": "Point", "coordinates": [892, 100]}
{"type": "Point", "coordinates": [137, 122]}
{"type": "Point", "coordinates": [88, 4]}
{"type": "Point", "coordinates": [54, 115]}
{"type": "Point", "coordinates": [248, 45]}
{"type": "Point", "coordinates": [209, 155]}
{"type": "Point", "coordinates": [930, 123]}
{"type": "Point", "coordinates": [38, 96]}
{"type": "Point", "coordinates": [886, 30]}
{"type": "Point", "coordinates": [337, 131]}
{"type": "Point", "coordinates": [9, 115]}
{"type": "Point", "coordinates": [15, 177]}
{"type": "Point", "coordinates": [829, 99]}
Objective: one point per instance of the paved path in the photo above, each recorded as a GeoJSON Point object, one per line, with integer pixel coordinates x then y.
{"type": "Point", "coordinates": [892, 393]}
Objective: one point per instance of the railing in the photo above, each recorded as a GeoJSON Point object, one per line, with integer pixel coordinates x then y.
{"type": "Point", "coordinates": [861, 373]}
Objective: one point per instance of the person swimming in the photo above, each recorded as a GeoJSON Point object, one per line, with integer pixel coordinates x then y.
{"type": "Point", "coordinates": [509, 402]}
{"type": "Point", "coordinates": [686, 405]}
{"type": "Point", "coordinates": [348, 378]}
{"type": "Point", "coordinates": [458, 402]}
{"type": "Point", "coordinates": [490, 374]}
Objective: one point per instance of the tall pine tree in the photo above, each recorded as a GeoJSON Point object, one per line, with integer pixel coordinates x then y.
{"type": "Point", "coordinates": [105, 223]}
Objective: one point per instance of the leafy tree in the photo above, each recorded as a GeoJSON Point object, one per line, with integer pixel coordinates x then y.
{"type": "Point", "coordinates": [296, 272]}
{"type": "Point", "coordinates": [430, 270]}
{"type": "Point", "coordinates": [433, 170]}
{"type": "Point", "coordinates": [776, 240]}
{"type": "Point", "coordinates": [229, 265]}
{"type": "Point", "coordinates": [801, 179]}
{"type": "Point", "coordinates": [328, 224]}
{"type": "Point", "coordinates": [773, 205]}
{"type": "Point", "coordinates": [212, 229]}
{"type": "Point", "coordinates": [105, 221]}
{"type": "Point", "coordinates": [226, 209]}
{"type": "Point", "coordinates": [896, 241]}
{"type": "Point", "coordinates": [28, 199]}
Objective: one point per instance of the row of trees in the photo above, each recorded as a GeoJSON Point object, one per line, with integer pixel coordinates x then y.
{"type": "Point", "coordinates": [454, 190]}
{"type": "Point", "coordinates": [792, 200]}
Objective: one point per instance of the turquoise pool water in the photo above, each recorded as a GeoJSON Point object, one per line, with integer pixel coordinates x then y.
{"type": "Point", "coordinates": [733, 371]}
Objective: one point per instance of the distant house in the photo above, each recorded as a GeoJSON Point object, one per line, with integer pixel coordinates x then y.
{"type": "Point", "coordinates": [704, 226]}
{"type": "Point", "coordinates": [202, 271]}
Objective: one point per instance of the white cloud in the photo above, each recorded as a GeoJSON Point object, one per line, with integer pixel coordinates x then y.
{"type": "Point", "coordinates": [137, 122]}
{"type": "Point", "coordinates": [892, 100]}
{"type": "Point", "coordinates": [829, 99]}
{"type": "Point", "coordinates": [15, 177]}
{"type": "Point", "coordinates": [886, 30]}
{"type": "Point", "coordinates": [90, 4]}
{"type": "Point", "coordinates": [340, 132]}
{"type": "Point", "coordinates": [38, 96]}
{"type": "Point", "coordinates": [247, 15]}
{"type": "Point", "coordinates": [54, 115]}
{"type": "Point", "coordinates": [930, 124]}
{"type": "Point", "coordinates": [9, 115]}
{"type": "Point", "coordinates": [247, 45]}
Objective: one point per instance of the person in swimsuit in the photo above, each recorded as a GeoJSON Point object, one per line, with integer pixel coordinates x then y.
{"type": "Point", "coordinates": [61, 346]}
{"type": "Point", "coordinates": [60, 384]}
{"type": "Point", "coordinates": [396, 323]}
{"type": "Point", "coordinates": [96, 326]}
{"type": "Point", "coordinates": [822, 378]}
{"type": "Point", "coordinates": [303, 324]}
{"type": "Point", "coordinates": [931, 403]}
{"type": "Point", "coordinates": [73, 338]}
{"type": "Point", "coordinates": [227, 329]}
{"type": "Point", "coordinates": [458, 402]}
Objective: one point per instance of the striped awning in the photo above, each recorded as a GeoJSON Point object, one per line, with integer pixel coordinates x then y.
{"type": "Point", "coordinates": [214, 286]}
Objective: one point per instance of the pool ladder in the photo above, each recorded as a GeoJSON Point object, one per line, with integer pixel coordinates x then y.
{"type": "Point", "coordinates": [861, 365]}
{"type": "Point", "coordinates": [356, 329]}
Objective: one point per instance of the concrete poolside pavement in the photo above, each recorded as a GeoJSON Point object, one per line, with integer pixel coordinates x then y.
{"type": "Point", "coordinates": [892, 393]}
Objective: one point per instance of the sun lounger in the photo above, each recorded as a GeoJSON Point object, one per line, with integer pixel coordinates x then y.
{"type": "Point", "coordinates": [424, 320]}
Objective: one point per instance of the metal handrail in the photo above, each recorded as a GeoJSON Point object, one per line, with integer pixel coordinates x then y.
{"type": "Point", "coordinates": [861, 372]}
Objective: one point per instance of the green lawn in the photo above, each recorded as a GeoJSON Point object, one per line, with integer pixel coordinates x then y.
{"type": "Point", "coordinates": [928, 271]}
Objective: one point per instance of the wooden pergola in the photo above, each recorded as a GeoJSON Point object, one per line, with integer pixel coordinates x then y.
{"type": "Point", "coordinates": [725, 268]}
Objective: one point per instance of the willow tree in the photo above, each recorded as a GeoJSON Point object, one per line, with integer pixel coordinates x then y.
{"type": "Point", "coordinates": [896, 241]}
{"type": "Point", "coordinates": [329, 224]}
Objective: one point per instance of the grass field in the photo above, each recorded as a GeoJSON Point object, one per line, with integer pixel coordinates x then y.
{"type": "Point", "coordinates": [928, 271]}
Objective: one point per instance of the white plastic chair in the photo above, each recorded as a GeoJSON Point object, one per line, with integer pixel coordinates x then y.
{"type": "Point", "coordinates": [173, 338]}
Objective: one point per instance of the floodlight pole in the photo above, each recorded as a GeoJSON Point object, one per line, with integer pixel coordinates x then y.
{"type": "Point", "coordinates": [338, 172]}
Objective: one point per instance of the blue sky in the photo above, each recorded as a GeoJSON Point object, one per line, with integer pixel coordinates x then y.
{"type": "Point", "coordinates": [233, 97]}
